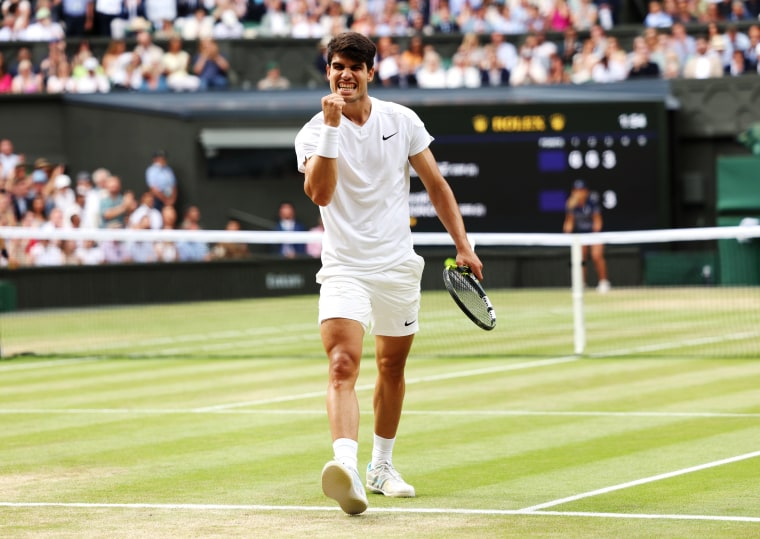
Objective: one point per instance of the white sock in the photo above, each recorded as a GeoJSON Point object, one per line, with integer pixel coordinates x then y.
{"type": "Point", "coordinates": [382, 450]}
{"type": "Point", "coordinates": [346, 452]}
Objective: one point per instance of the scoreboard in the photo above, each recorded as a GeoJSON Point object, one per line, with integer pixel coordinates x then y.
{"type": "Point", "coordinates": [512, 166]}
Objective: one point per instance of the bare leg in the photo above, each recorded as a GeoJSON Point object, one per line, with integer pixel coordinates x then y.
{"type": "Point", "coordinates": [390, 387]}
{"type": "Point", "coordinates": [342, 340]}
{"type": "Point", "coordinates": [597, 255]}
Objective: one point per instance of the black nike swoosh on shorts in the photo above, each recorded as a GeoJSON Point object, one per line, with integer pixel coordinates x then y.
{"type": "Point", "coordinates": [389, 136]}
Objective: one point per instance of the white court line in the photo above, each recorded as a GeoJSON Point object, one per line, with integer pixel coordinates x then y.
{"type": "Point", "coordinates": [414, 510]}
{"type": "Point", "coordinates": [643, 481]}
{"type": "Point", "coordinates": [411, 381]}
{"type": "Point", "coordinates": [321, 412]}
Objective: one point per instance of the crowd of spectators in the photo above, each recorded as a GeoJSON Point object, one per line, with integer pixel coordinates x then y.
{"type": "Point", "coordinates": [42, 195]}
{"type": "Point", "coordinates": [505, 41]}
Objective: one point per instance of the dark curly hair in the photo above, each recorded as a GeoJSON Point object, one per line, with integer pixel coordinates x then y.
{"type": "Point", "coordinates": [354, 46]}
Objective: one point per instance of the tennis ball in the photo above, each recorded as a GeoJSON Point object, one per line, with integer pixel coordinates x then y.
{"type": "Point", "coordinates": [450, 263]}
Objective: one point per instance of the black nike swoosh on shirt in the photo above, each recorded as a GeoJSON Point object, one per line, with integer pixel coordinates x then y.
{"type": "Point", "coordinates": [413, 321]}
{"type": "Point", "coordinates": [389, 136]}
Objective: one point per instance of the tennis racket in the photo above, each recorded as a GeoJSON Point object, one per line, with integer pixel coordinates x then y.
{"type": "Point", "coordinates": [469, 295]}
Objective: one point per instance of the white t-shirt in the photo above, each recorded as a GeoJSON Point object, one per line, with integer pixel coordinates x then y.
{"type": "Point", "coordinates": [367, 221]}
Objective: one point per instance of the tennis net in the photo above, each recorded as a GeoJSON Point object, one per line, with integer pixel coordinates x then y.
{"type": "Point", "coordinates": [675, 293]}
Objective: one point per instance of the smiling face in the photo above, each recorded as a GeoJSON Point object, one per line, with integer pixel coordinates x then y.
{"type": "Point", "coordinates": [349, 78]}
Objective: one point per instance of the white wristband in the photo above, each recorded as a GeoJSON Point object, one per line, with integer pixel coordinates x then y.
{"type": "Point", "coordinates": [328, 142]}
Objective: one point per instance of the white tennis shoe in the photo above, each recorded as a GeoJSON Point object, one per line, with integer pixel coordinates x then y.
{"type": "Point", "coordinates": [344, 485]}
{"type": "Point", "coordinates": [384, 479]}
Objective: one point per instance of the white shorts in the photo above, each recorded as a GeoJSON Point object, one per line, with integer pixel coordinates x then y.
{"type": "Point", "coordinates": [387, 303]}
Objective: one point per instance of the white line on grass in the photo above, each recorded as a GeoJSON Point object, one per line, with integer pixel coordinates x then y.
{"type": "Point", "coordinates": [468, 413]}
{"type": "Point", "coordinates": [643, 481]}
{"type": "Point", "coordinates": [423, 379]}
{"type": "Point", "coordinates": [412, 510]}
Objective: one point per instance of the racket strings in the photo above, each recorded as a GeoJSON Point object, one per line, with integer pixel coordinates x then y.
{"type": "Point", "coordinates": [470, 296]}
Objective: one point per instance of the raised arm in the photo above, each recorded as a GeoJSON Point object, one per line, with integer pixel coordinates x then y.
{"type": "Point", "coordinates": [321, 175]}
{"type": "Point", "coordinates": [445, 204]}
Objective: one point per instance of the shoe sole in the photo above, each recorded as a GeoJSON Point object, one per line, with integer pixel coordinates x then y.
{"type": "Point", "coordinates": [338, 485]}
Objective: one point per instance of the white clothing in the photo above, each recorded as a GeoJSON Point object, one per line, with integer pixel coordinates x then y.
{"type": "Point", "coordinates": [367, 221]}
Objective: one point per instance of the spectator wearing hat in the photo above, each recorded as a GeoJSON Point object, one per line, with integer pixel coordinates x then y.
{"type": "Point", "coordinates": [583, 214]}
{"type": "Point", "coordinates": [93, 80]}
{"type": "Point", "coordinates": [63, 195]}
{"type": "Point", "coordinates": [273, 80]}
{"type": "Point", "coordinates": [43, 28]}
{"type": "Point", "coordinates": [161, 181]}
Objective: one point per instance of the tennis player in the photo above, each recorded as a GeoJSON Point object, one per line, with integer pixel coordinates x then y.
{"type": "Point", "coordinates": [584, 214]}
{"type": "Point", "coordinates": [355, 155]}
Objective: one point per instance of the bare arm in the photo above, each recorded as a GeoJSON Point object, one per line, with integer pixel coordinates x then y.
{"type": "Point", "coordinates": [445, 204]}
{"type": "Point", "coordinates": [321, 176]}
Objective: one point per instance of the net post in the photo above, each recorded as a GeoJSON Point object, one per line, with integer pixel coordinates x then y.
{"type": "Point", "coordinates": [577, 286]}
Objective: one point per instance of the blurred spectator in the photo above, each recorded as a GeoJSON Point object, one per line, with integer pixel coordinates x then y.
{"type": "Point", "coordinates": [387, 69]}
{"type": "Point", "coordinates": [21, 193]}
{"type": "Point", "coordinates": [147, 210]}
{"type": "Point", "coordinates": [443, 20]}
{"type": "Point", "coordinates": [492, 70]}
{"type": "Point", "coordinates": [314, 248]}
{"type": "Point", "coordinates": [93, 80]}
{"type": "Point", "coordinates": [197, 25]}
{"type": "Point", "coordinates": [583, 63]}
{"type": "Point", "coordinates": [27, 81]}
{"type": "Point", "coordinates": [656, 17]}
{"type": "Point", "coordinates": [78, 17]}
{"type": "Point", "coordinates": [7, 213]}
{"type": "Point", "coordinates": [161, 181]}
{"type": "Point", "coordinates": [231, 250]}
{"type": "Point", "coordinates": [43, 28]}
{"type": "Point", "coordinates": [56, 54]}
{"type": "Point", "coordinates": [287, 222]}
{"type": "Point", "coordinates": [569, 46]}
{"type": "Point", "coordinates": [116, 206]}
{"type": "Point", "coordinates": [192, 251]}
{"type": "Point", "coordinates": [166, 251]}
{"type": "Point", "coordinates": [91, 201]}
{"type": "Point", "coordinates": [558, 73]}
{"type": "Point", "coordinates": [228, 26]}
{"type": "Point", "coordinates": [273, 80]}
{"type": "Point", "coordinates": [530, 68]}
{"type": "Point", "coordinates": [106, 11]}
{"type": "Point", "coordinates": [685, 14]}
{"type": "Point", "coordinates": [333, 20]}
{"type": "Point", "coordinates": [150, 54]}
{"type": "Point", "coordinates": [211, 66]}
{"type": "Point", "coordinates": [61, 81]}
{"type": "Point", "coordinates": [753, 46]}
{"type": "Point", "coordinates": [9, 159]}
{"type": "Point", "coordinates": [413, 54]}
{"type": "Point", "coordinates": [505, 51]}
{"type": "Point", "coordinates": [431, 74]}
{"type": "Point", "coordinates": [462, 74]}
{"type": "Point", "coordinates": [154, 79]}
{"type": "Point", "coordinates": [140, 251]}
{"type": "Point", "coordinates": [116, 64]}
{"type": "Point", "coordinates": [560, 18]}
{"type": "Point", "coordinates": [90, 253]}
{"type": "Point", "coordinates": [613, 66]}
{"type": "Point", "coordinates": [275, 21]}
{"type": "Point", "coordinates": [176, 64]}
{"type": "Point", "coordinates": [640, 61]}
{"type": "Point", "coordinates": [704, 63]}
{"type": "Point", "coordinates": [585, 15]}
{"type": "Point", "coordinates": [63, 195]}
{"type": "Point", "coordinates": [471, 49]}
{"type": "Point", "coordinates": [738, 65]}
{"type": "Point", "coordinates": [681, 42]}
{"type": "Point", "coordinates": [158, 11]}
